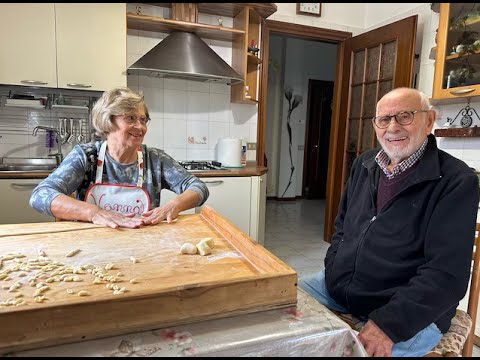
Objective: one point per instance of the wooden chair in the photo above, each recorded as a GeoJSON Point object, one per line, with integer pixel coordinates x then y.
{"type": "Point", "coordinates": [459, 339]}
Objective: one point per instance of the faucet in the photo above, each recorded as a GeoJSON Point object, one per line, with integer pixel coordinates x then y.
{"type": "Point", "coordinates": [58, 155]}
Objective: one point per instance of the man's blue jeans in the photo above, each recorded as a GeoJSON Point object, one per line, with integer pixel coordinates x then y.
{"type": "Point", "coordinates": [420, 344]}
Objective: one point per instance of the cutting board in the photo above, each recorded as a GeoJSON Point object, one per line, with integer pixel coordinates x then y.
{"type": "Point", "coordinates": [169, 288]}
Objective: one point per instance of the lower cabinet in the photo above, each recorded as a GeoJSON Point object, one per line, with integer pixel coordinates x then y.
{"type": "Point", "coordinates": [241, 200]}
{"type": "Point", "coordinates": [15, 195]}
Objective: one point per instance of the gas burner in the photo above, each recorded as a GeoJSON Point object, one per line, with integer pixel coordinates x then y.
{"type": "Point", "coordinates": [196, 166]}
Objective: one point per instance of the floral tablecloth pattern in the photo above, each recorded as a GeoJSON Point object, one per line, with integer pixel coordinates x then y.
{"type": "Point", "coordinates": [307, 329]}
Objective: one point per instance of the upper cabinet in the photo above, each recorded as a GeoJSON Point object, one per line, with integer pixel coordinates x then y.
{"type": "Point", "coordinates": [74, 46]}
{"type": "Point", "coordinates": [28, 45]}
{"type": "Point", "coordinates": [247, 20]}
{"type": "Point", "coordinates": [245, 53]}
{"type": "Point", "coordinates": [91, 46]}
{"type": "Point", "coordinates": [457, 64]}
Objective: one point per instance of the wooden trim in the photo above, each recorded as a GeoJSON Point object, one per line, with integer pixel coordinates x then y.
{"type": "Point", "coordinates": [229, 9]}
{"type": "Point", "coordinates": [458, 132]}
{"type": "Point", "coordinates": [335, 150]}
{"type": "Point", "coordinates": [307, 32]}
{"type": "Point", "coordinates": [295, 30]}
{"type": "Point", "coordinates": [185, 12]}
{"type": "Point", "coordinates": [155, 23]}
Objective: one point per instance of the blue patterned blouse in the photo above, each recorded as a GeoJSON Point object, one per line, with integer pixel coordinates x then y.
{"type": "Point", "coordinates": [77, 172]}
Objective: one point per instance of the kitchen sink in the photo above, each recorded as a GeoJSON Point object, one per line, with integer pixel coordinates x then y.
{"type": "Point", "coordinates": [27, 164]}
{"type": "Point", "coordinates": [43, 168]}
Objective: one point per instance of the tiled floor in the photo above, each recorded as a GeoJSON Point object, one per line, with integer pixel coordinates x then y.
{"type": "Point", "coordinates": [294, 233]}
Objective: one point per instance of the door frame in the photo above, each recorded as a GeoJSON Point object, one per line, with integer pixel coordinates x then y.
{"type": "Point", "coordinates": [293, 30]}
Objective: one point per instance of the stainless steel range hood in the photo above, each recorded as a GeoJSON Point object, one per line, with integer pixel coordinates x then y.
{"type": "Point", "coordinates": [185, 55]}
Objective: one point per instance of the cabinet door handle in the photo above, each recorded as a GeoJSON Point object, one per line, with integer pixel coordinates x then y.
{"type": "Point", "coordinates": [79, 85]}
{"type": "Point", "coordinates": [462, 91]}
{"type": "Point", "coordinates": [216, 182]}
{"type": "Point", "coordinates": [25, 185]}
{"type": "Point", "coordinates": [34, 82]}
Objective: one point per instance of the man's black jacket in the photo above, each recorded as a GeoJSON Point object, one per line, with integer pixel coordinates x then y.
{"type": "Point", "coordinates": [407, 265]}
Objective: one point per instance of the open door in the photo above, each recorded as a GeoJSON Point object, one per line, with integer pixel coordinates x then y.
{"type": "Point", "coordinates": [369, 66]}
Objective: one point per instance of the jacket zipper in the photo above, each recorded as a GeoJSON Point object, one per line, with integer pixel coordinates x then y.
{"type": "Point", "coordinates": [356, 257]}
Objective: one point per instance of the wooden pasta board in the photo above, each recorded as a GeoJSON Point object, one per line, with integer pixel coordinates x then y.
{"type": "Point", "coordinates": [240, 276]}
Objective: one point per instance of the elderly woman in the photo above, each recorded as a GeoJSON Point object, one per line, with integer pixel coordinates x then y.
{"type": "Point", "coordinates": [117, 182]}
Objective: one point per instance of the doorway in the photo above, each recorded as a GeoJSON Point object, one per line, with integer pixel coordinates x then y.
{"type": "Point", "coordinates": [319, 115]}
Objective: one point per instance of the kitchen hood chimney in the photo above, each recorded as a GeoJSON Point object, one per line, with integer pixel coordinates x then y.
{"type": "Point", "coordinates": [185, 55]}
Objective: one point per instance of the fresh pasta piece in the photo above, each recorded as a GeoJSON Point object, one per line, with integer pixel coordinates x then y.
{"type": "Point", "coordinates": [203, 248]}
{"type": "Point", "coordinates": [188, 248]}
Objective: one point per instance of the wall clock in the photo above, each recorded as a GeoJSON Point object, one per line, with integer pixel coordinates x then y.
{"type": "Point", "coordinates": [313, 9]}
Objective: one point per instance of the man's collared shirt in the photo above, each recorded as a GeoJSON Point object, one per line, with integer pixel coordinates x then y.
{"type": "Point", "coordinates": [383, 160]}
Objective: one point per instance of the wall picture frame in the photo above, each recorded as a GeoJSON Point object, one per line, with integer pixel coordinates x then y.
{"type": "Point", "coordinates": [312, 9]}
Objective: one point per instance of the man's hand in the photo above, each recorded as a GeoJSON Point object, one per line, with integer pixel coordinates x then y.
{"type": "Point", "coordinates": [375, 341]}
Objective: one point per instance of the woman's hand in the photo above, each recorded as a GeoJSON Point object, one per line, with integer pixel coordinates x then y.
{"type": "Point", "coordinates": [168, 212]}
{"type": "Point", "coordinates": [114, 220]}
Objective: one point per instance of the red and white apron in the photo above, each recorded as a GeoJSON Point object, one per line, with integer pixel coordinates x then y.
{"type": "Point", "coordinates": [124, 199]}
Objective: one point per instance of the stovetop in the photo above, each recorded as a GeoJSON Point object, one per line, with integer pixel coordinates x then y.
{"type": "Point", "coordinates": [197, 166]}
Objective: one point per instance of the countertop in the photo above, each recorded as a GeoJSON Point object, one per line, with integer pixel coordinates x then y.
{"type": "Point", "coordinates": [251, 169]}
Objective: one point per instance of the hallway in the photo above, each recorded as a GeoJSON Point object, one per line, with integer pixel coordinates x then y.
{"type": "Point", "coordinates": [294, 233]}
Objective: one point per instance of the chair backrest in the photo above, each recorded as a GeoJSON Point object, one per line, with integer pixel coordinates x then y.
{"type": "Point", "coordinates": [473, 296]}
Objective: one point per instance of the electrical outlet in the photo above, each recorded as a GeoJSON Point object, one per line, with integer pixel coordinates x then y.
{"type": "Point", "coordinates": [251, 146]}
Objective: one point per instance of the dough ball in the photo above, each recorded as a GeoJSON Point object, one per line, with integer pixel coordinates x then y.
{"type": "Point", "coordinates": [188, 248]}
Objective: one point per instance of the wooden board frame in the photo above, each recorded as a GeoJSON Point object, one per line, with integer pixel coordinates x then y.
{"type": "Point", "coordinates": [274, 285]}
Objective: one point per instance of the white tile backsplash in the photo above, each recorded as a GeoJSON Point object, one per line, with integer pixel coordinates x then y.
{"type": "Point", "coordinates": [175, 133]}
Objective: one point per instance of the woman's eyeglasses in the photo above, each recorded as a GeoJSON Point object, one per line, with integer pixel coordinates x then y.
{"type": "Point", "coordinates": [132, 120]}
{"type": "Point", "coordinates": [402, 117]}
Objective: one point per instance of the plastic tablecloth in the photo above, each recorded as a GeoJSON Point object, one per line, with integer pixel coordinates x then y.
{"type": "Point", "coordinates": [307, 329]}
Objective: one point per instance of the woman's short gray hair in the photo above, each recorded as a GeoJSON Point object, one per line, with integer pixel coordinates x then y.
{"type": "Point", "coordinates": [118, 101]}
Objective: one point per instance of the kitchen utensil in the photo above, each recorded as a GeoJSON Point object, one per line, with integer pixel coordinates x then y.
{"type": "Point", "coordinates": [71, 136]}
{"type": "Point", "coordinates": [81, 137]}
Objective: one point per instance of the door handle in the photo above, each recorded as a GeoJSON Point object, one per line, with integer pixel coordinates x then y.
{"type": "Point", "coordinates": [216, 182]}
{"type": "Point", "coordinates": [461, 91]}
{"type": "Point", "coordinates": [79, 85]}
{"type": "Point", "coordinates": [26, 185]}
{"type": "Point", "coordinates": [34, 82]}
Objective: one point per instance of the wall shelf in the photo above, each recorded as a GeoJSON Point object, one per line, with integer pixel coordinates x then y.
{"type": "Point", "coordinates": [458, 132]}
{"type": "Point", "coordinates": [230, 9]}
{"type": "Point", "coordinates": [156, 23]}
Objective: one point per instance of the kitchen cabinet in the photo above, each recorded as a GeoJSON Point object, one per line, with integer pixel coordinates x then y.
{"type": "Point", "coordinates": [230, 196]}
{"type": "Point", "coordinates": [28, 45]}
{"type": "Point", "coordinates": [74, 46]}
{"type": "Point", "coordinates": [244, 58]}
{"type": "Point", "coordinates": [15, 195]}
{"type": "Point", "coordinates": [457, 64]}
{"type": "Point", "coordinates": [247, 19]}
{"type": "Point", "coordinates": [241, 200]}
{"type": "Point", "coordinates": [91, 46]}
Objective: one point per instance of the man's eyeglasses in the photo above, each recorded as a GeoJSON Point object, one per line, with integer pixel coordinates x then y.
{"type": "Point", "coordinates": [132, 120]}
{"type": "Point", "coordinates": [402, 118]}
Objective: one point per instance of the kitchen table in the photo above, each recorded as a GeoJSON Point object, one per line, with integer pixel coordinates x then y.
{"type": "Point", "coordinates": [306, 329]}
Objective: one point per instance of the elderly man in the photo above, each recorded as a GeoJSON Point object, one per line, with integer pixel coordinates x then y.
{"type": "Point", "coordinates": [400, 255]}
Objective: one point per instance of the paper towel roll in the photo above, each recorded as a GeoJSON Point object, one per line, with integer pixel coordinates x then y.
{"type": "Point", "coordinates": [229, 152]}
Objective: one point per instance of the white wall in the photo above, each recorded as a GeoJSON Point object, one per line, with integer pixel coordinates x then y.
{"type": "Point", "coordinates": [188, 117]}
{"type": "Point", "coordinates": [344, 17]}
